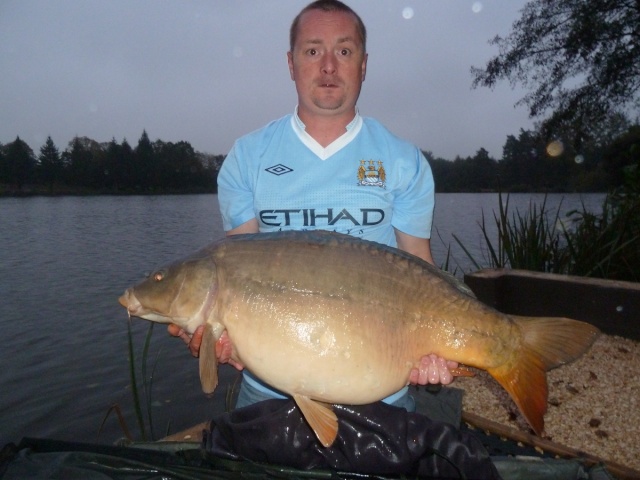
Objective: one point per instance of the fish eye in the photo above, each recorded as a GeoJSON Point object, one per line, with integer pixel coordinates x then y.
{"type": "Point", "coordinates": [158, 276]}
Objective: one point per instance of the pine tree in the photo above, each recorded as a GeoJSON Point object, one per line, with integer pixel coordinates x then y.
{"type": "Point", "coordinates": [51, 166]}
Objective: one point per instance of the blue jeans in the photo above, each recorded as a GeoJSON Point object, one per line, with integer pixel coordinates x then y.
{"type": "Point", "coordinates": [253, 390]}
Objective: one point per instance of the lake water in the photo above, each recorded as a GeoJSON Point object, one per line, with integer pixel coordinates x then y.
{"type": "Point", "coordinates": [65, 261]}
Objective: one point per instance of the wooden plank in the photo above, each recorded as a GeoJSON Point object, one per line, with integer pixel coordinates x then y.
{"type": "Point", "coordinates": [619, 471]}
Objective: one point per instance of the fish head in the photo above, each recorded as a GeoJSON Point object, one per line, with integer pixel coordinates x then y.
{"type": "Point", "coordinates": [182, 293]}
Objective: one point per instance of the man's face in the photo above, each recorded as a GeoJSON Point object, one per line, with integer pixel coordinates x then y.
{"type": "Point", "coordinates": [327, 63]}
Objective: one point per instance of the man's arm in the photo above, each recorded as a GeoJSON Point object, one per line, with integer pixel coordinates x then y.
{"type": "Point", "coordinates": [420, 247]}
{"type": "Point", "coordinates": [247, 227]}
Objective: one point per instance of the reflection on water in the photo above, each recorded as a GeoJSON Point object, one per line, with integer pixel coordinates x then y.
{"type": "Point", "coordinates": [65, 261]}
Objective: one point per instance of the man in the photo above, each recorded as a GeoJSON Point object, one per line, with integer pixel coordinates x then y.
{"type": "Point", "coordinates": [326, 167]}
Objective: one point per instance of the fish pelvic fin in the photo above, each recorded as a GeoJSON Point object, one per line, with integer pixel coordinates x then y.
{"type": "Point", "coordinates": [320, 417]}
{"type": "Point", "coordinates": [208, 360]}
{"type": "Point", "coordinates": [547, 343]}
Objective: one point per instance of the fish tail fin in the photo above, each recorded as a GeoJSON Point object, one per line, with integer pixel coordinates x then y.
{"type": "Point", "coordinates": [557, 340]}
{"type": "Point", "coordinates": [525, 380]}
{"type": "Point", "coordinates": [547, 343]}
{"type": "Point", "coordinates": [208, 361]}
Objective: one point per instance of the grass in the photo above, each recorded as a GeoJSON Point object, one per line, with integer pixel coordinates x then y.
{"type": "Point", "coordinates": [605, 245]}
{"type": "Point", "coordinates": [141, 390]}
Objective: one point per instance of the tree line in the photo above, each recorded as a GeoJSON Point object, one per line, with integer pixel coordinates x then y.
{"type": "Point", "coordinates": [87, 166]}
{"type": "Point", "coordinates": [529, 163]}
{"type": "Point", "coordinates": [532, 163]}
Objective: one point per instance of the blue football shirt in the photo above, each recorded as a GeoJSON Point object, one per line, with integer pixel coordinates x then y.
{"type": "Point", "coordinates": [364, 184]}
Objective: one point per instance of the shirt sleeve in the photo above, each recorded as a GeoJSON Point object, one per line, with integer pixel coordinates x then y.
{"type": "Point", "coordinates": [415, 201]}
{"type": "Point", "coordinates": [235, 191]}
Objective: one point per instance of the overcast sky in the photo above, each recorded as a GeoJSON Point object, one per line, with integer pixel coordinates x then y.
{"type": "Point", "coordinates": [209, 71]}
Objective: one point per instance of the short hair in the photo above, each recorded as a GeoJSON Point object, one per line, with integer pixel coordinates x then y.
{"type": "Point", "coordinates": [328, 6]}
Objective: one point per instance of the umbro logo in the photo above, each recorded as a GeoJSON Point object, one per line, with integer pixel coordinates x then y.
{"type": "Point", "coordinates": [279, 169]}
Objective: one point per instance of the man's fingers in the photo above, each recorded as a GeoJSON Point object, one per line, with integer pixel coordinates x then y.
{"type": "Point", "coordinates": [444, 375]}
{"type": "Point", "coordinates": [425, 370]}
{"type": "Point", "coordinates": [196, 341]}
{"type": "Point", "coordinates": [414, 376]}
{"type": "Point", "coordinates": [433, 370]}
{"type": "Point", "coordinates": [433, 373]}
{"type": "Point", "coordinates": [174, 330]}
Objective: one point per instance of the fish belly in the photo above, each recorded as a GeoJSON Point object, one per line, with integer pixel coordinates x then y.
{"type": "Point", "coordinates": [320, 351]}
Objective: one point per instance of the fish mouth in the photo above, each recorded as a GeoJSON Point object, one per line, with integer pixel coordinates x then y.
{"type": "Point", "coordinates": [135, 309]}
{"type": "Point", "coordinates": [129, 301]}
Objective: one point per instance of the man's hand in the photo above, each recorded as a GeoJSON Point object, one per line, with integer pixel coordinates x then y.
{"type": "Point", "coordinates": [192, 341]}
{"type": "Point", "coordinates": [432, 370]}
{"type": "Point", "coordinates": [224, 348]}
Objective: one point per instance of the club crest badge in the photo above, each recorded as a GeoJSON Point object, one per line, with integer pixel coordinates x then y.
{"type": "Point", "coordinates": [371, 174]}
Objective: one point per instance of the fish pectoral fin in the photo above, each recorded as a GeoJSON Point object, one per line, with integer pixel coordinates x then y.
{"type": "Point", "coordinates": [321, 418]}
{"type": "Point", "coordinates": [208, 360]}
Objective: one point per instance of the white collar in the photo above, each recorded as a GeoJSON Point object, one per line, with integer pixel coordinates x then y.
{"type": "Point", "coordinates": [352, 129]}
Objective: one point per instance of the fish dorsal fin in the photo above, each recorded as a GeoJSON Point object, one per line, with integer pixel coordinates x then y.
{"type": "Point", "coordinates": [321, 418]}
{"type": "Point", "coordinates": [208, 360]}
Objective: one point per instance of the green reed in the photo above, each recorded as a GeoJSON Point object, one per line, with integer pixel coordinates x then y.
{"type": "Point", "coordinates": [527, 240]}
{"type": "Point", "coordinates": [602, 245]}
{"type": "Point", "coordinates": [146, 380]}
